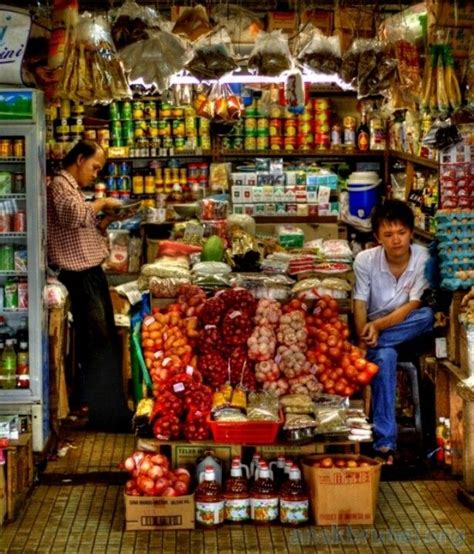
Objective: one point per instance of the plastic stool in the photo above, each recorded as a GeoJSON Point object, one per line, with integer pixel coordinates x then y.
{"type": "Point", "coordinates": [411, 370]}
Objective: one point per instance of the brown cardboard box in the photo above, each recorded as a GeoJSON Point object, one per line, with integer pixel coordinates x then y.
{"type": "Point", "coordinates": [321, 19]}
{"type": "Point", "coordinates": [148, 513]}
{"type": "Point", "coordinates": [452, 14]}
{"type": "Point", "coordinates": [286, 21]}
{"type": "Point", "coordinates": [360, 19]}
{"type": "Point", "coordinates": [343, 496]}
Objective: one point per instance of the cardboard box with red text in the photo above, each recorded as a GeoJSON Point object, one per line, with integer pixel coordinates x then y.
{"type": "Point", "coordinates": [149, 513]}
{"type": "Point", "coordinates": [343, 496]}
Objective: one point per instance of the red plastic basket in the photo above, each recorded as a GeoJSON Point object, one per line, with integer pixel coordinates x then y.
{"type": "Point", "coordinates": [245, 432]}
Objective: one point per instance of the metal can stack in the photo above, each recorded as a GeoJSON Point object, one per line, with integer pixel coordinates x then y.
{"type": "Point", "coordinates": [322, 123]}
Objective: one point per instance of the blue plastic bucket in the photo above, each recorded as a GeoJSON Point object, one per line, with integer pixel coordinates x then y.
{"type": "Point", "coordinates": [362, 199]}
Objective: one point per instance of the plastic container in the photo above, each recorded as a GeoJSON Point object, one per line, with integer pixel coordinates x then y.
{"type": "Point", "coordinates": [246, 432]}
{"type": "Point", "coordinates": [209, 501]}
{"type": "Point", "coordinates": [263, 497]}
{"type": "Point", "coordinates": [294, 500]}
{"type": "Point", "coordinates": [362, 200]}
{"type": "Point", "coordinates": [236, 495]}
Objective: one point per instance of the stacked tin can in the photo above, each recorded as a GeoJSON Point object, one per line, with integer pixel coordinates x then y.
{"type": "Point", "coordinates": [118, 182]}
{"type": "Point", "coordinates": [146, 127]}
{"type": "Point", "coordinates": [322, 123]}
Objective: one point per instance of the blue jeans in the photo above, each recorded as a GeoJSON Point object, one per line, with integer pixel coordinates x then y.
{"type": "Point", "coordinates": [384, 384]}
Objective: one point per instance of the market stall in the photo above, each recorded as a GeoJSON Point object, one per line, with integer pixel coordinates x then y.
{"type": "Point", "coordinates": [249, 153]}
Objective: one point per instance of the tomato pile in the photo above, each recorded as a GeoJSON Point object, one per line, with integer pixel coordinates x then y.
{"type": "Point", "coordinates": [151, 476]}
{"type": "Point", "coordinates": [341, 463]}
{"type": "Point", "coordinates": [341, 367]}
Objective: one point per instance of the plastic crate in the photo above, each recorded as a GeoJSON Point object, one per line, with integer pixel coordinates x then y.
{"type": "Point", "coordinates": [245, 432]}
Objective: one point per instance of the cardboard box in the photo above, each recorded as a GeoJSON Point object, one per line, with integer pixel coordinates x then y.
{"type": "Point", "coordinates": [358, 18]}
{"type": "Point", "coordinates": [3, 495]}
{"type": "Point", "coordinates": [466, 349]}
{"type": "Point", "coordinates": [147, 513]}
{"type": "Point", "coordinates": [447, 12]}
{"type": "Point", "coordinates": [343, 496]}
{"type": "Point", "coordinates": [286, 21]}
{"type": "Point", "coordinates": [321, 19]}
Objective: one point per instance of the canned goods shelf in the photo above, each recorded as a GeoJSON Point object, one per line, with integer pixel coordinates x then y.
{"type": "Point", "coordinates": [302, 153]}
{"type": "Point", "coordinates": [177, 154]}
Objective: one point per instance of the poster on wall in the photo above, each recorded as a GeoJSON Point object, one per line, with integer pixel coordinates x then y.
{"type": "Point", "coordinates": [15, 25]}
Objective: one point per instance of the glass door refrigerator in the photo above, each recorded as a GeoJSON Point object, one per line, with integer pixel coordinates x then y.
{"type": "Point", "coordinates": [24, 369]}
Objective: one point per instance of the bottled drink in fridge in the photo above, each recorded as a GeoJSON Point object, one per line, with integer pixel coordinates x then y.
{"type": "Point", "coordinates": [6, 332]}
{"type": "Point", "coordinates": [8, 366]}
{"type": "Point", "coordinates": [22, 366]}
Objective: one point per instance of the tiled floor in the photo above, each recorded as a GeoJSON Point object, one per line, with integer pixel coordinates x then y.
{"type": "Point", "coordinates": [412, 516]}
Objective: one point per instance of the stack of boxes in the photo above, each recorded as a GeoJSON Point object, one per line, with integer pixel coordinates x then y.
{"type": "Point", "coordinates": [270, 190]}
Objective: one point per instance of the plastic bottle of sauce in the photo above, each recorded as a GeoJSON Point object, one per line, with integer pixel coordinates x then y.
{"type": "Point", "coordinates": [209, 501]}
{"type": "Point", "coordinates": [263, 497]}
{"type": "Point", "coordinates": [294, 501]}
{"type": "Point", "coordinates": [236, 495]}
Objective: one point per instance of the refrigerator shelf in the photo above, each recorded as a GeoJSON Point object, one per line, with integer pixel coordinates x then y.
{"type": "Point", "coordinates": [12, 196]}
{"type": "Point", "coordinates": [13, 273]}
{"type": "Point", "coordinates": [12, 160]}
{"type": "Point", "coordinates": [12, 236]}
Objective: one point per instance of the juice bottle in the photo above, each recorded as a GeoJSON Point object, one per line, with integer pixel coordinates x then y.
{"type": "Point", "coordinates": [294, 501]}
{"type": "Point", "coordinates": [9, 366]}
{"type": "Point", "coordinates": [236, 495]}
{"type": "Point", "coordinates": [209, 501]}
{"type": "Point", "coordinates": [263, 497]}
{"type": "Point", "coordinates": [23, 366]}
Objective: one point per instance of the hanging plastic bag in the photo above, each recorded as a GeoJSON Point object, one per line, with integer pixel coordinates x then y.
{"type": "Point", "coordinates": [375, 69]}
{"type": "Point", "coordinates": [192, 23]}
{"type": "Point", "coordinates": [321, 54]}
{"type": "Point", "coordinates": [221, 105]}
{"type": "Point", "coordinates": [132, 23]}
{"type": "Point", "coordinates": [271, 55]}
{"type": "Point", "coordinates": [155, 60]}
{"type": "Point", "coordinates": [213, 56]}
{"type": "Point", "coordinates": [93, 72]}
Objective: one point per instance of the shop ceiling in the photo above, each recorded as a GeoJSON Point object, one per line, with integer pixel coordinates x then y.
{"type": "Point", "coordinates": [258, 6]}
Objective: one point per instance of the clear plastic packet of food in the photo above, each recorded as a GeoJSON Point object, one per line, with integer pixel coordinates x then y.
{"type": "Point", "coordinates": [211, 282]}
{"type": "Point", "coordinates": [323, 400]}
{"type": "Point", "coordinates": [213, 56]}
{"type": "Point", "coordinates": [211, 268]}
{"type": "Point", "coordinates": [211, 209]}
{"type": "Point", "coordinates": [93, 73]}
{"type": "Point", "coordinates": [306, 286]}
{"type": "Point", "coordinates": [166, 287]}
{"type": "Point", "coordinates": [301, 402]}
{"type": "Point", "coordinates": [263, 406]}
{"type": "Point", "coordinates": [219, 177]}
{"type": "Point", "coordinates": [151, 62]}
{"type": "Point", "coordinates": [192, 22]}
{"type": "Point", "coordinates": [322, 54]}
{"type": "Point", "coordinates": [375, 69]}
{"type": "Point", "coordinates": [337, 249]}
{"type": "Point", "coordinates": [132, 23]}
{"type": "Point", "coordinates": [330, 420]}
{"type": "Point", "coordinates": [119, 242]}
{"type": "Point", "coordinates": [298, 421]}
{"type": "Point", "coordinates": [271, 54]}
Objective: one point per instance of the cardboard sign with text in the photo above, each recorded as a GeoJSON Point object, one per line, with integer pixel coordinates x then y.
{"type": "Point", "coordinates": [148, 513]}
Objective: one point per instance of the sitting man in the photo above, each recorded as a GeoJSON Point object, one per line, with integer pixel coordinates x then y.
{"type": "Point", "coordinates": [390, 280]}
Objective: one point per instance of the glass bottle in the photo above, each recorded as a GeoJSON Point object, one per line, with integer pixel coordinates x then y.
{"type": "Point", "coordinates": [448, 453]}
{"type": "Point", "coordinates": [9, 365]}
{"type": "Point", "coordinates": [294, 500]}
{"type": "Point", "coordinates": [363, 134]}
{"type": "Point", "coordinates": [209, 501]}
{"type": "Point", "coordinates": [236, 495]}
{"type": "Point", "coordinates": [5, 333]}
{"type": "Point", "coordinates": [263, 497]}
{"type": "Point", "coordinates": [440, 434]}
{"type": "Point", "coordinates": [22, 366]}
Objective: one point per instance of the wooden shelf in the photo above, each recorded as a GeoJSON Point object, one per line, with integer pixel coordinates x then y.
{"type": "Point", "coordinates": [323, 154]}
{"type": "Point", "coordinates": [262, 219]}
{"type": "Point", "coordinates": [431, 164]}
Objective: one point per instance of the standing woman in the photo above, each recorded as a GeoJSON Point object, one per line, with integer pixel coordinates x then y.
{"type": "Point", "coordinates": [76, 249]}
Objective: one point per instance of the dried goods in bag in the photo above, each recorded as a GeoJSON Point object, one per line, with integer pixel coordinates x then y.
{"type": "Point", "coordinates": [93, 72]}
{"type": "Point", "coordinates": [132, 23]}
{"type": "Point", "coordinates": [242, 25]}
{"type": "Point", "coordinates": [271, 55]}
{"type": "Point", "coordinates": [213, 56]}
{"type": "Point", "coordinates": [322, 53]}
{"type": "Point", "coordinates": [192, 23]}
{"type": "Point", "coordinates": [153, 61]}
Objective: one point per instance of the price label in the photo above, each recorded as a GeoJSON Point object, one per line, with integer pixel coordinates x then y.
{"type": "Point", "coordinates": [148, 321]}
{"type": "Point", "coordinates": [190, 370]}
{"type": "Point", "coordinates": [178, 387]}
{"type": "Point", "coordinates": [166, 361]}
{"type": "Point", "coordinates": [158, 354]}
{"type": "Point", "coordinates": [235, 314]}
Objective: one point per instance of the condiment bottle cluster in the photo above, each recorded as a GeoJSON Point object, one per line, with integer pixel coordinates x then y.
{"type": "Point", "coordinates": [259, 494]}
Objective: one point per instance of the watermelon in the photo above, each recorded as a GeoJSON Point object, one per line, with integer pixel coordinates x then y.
{"type": "Point", "coordinates": [213, 250]}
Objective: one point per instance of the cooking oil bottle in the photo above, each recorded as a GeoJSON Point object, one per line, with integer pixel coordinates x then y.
{"type": "Point", "coordinates": [209, 501]}
{"type": "Point", "coordinates": [294, 501]}
{"type": "Point", "coordinates": [263, 497]}
{"type": "Point", "coordinates": [236, 495]}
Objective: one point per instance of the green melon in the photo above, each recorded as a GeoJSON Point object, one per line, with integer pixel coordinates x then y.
{"type": "Point", "coordinates": [213, 250]}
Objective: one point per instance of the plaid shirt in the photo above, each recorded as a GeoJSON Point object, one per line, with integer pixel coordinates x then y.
{"type": "Point", "coordinates": [74, 241]}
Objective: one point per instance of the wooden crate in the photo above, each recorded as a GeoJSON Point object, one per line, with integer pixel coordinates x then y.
{"type": "Point", "coordinates": [19, 476]}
